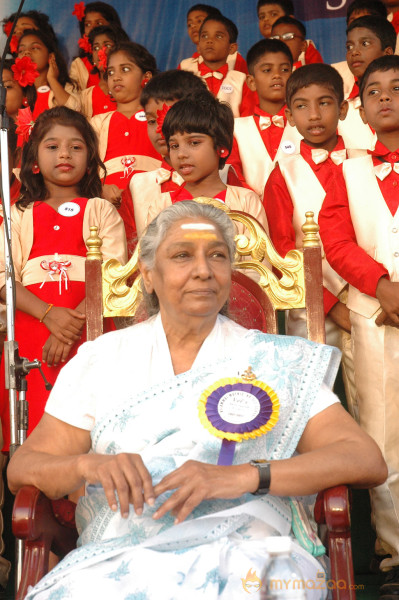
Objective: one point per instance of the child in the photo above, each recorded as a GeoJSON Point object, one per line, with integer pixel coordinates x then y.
{"type": "Point", "coordinates": [218, 40]}
{"type": "Point", "coordinates": [15, 97]}
{"type": "Point", "coordinates": [96, 99]}
{"type": "Point", "coordinates": [162, 90]}
{"type": "Point", "coordinates": [367, 38]}
{"type": "Point", "coordinates": [32, 19]}
{"type": "Point", "coordinates": [269, 11]}
{"type": "Point", "coordinates": [123, 140]}
{"type": "Point", "coordinates": [93, 15]}
{"type": "Point", "coordinates": [315, 103]}
{"type": "Point", "coordinates": [199, 135]}
{"type": "Point", "coordinates": [270, 65]}
{"type": "Point", "coordinates": [50, 225]}
{"type": "Point", "coordinates": [195, 17]}
{"type": "Point", "coordinates": [357, 9]}
{"type": "Point", "coordinates": [293, 33]}
{"type": "Point", "coordinates": [358, 226]}
{"type": "Point", "coordinates": [53, 86]}
{"type": "Point", "coordinates": [393, 14]}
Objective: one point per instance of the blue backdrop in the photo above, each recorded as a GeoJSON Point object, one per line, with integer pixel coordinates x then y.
{"type": "Point", "coordinates": [160, 25]}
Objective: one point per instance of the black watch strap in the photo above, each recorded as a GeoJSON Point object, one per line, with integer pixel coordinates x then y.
{"type": "Point", "coordinates": [263, 467]}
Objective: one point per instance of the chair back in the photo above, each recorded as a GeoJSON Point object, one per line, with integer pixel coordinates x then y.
{"type": "Point", "coordinates": [258, 291]}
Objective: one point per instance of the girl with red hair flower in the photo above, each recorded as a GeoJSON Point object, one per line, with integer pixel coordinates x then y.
{"type": "Point", "coordinates": [52, 85]}
{"type": "Point", "coordinates": [90, 16]}
{"type": "Point", "coordinates": [96, 98]}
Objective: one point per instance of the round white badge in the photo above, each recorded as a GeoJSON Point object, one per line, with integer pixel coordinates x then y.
{"type": "Point", "coordinates": [69, 209]}
{"type": "Point", "coordinates": [288, 147]}
{"type": "Point", "coordinates": [140, 116]}
{"type": "Point", "coordinates": [238, 407]}
{"type": "Point", "coordinates": [227, 88]}
{"type": "Point", "coordinates": [43, 89]}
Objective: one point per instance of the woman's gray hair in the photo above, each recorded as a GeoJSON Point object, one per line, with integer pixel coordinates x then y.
{"type": "Point", "coordinates": [159, 227]}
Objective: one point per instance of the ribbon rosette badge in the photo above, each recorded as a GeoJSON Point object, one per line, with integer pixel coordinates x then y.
{"type": "Point", "coordinates": [236, 409]}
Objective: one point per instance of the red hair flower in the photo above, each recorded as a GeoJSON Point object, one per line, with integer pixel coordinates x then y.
{"type": "Point", "coordinates": [25, 71]}
{"type": "Point", "coordinates": [102, 59]}
{"type": "Point", "coordinates": [7, 28]}
{"type": "Point", "coordinates": [161, 114]}
{"type": "Point", "coordinates": [79, 10]}
{"type": "Point", "coordinates": [85, 44]}
{"type": "Point", "coordinates": [14, 44]}
{"type": "Point", "coordinates": [24, 123]}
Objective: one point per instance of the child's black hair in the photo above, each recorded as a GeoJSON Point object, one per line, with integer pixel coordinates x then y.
{"type": "Point", "coordinates": [202, 114]}
{"type": "Point", "coordinates": [286, 5]}
{"type": "Point", "coordinates": [230, 26]}
{"type": "Point", "coordinates": [41, 20]}
{"type": "Point", "coordinates": [106, 10]}
{"type": "Point", "coordinates": [206, 8]}
{"type": "Point", "coordinates": [114, 32]}
{"type": "Point", "coordinates": [318, 74]}
{"type": "Point", "coordinates": [375, 7]}
{"type": "Point", "coordinates": [287, 20]}
{"type": "Point", "coordinates": [382, 29]}
{"type": "Point", "coordinates": [382, 63]}
{"type": "Point", "coordinates": [12, 137]}
{"type": "Point", "coordinates": [172, 85]}
{"type": "Point", "coordinates": [33, 185]}
{"type": "Point", "coordinates": [266, 46]}
{"type": "Point", "coordinates": [139, 54]}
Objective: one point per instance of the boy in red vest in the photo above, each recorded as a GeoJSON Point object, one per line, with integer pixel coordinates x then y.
{"type": "Point", "coordinates": [360, 231]}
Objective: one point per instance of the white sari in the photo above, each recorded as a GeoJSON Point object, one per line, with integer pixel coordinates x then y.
{"type": "Point", "coordinates": [207, 555]}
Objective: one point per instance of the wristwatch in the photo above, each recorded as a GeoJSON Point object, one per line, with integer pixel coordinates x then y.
{"type": "Point", "coordinates": [263, 467]}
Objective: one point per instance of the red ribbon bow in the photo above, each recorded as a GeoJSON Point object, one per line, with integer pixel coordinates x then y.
{"type": "Point", "coordinates": [56, 267]}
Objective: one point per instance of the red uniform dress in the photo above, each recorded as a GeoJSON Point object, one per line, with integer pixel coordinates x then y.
{"type": "Point", "coordinates": [280, 209]}
{"type": "Point", "coordinates": [127, 137]}
{"type": "Point", "coordinates": [52, 233]}
{"type": "Point", "coordinates": [101, 102]}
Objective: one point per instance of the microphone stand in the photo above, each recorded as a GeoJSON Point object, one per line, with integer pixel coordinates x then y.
{"type": "Point", "coordinates": [16, 368]}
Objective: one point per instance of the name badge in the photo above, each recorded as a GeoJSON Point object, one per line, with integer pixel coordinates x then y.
{"type": "Point", "coordinates": [69, 209]}
{"type": "Point", "coordinates": [288, 147]}
{"type": "Point", "coordinates": [140, 116]}
{"type": "Point", "coordinates": [227, 88]}
{"type": "Point", "coordinates": [43, 89]}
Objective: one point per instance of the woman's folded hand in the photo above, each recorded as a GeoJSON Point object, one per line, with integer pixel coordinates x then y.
{"type": "Point", "coordinates": [122, 475]}
{"type": "Point", "coordinates": [196, 481]}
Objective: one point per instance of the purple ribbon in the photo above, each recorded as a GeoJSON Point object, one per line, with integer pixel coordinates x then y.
{"type": "Point", "coordinates": [226, 454]}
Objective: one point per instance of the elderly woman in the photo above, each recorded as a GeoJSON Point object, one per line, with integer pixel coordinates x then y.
{"type": "Point", "coordinates": [148, 417]}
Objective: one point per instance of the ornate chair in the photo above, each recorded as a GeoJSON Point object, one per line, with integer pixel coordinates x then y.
{"type": "Point", "coordinates": [110, 293]}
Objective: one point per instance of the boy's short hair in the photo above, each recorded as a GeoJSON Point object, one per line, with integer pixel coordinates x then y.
{"type": "Point", "coordinates": [206, 8]}
{"type": "Point", "coordinates": [375, 8]}
{"type": "Point", "coordinates": [287, 20]}
{"type": "Point", "coordinates": [230, 26]}
{"type": "Point", "coordinates": [382, 29]}
{"type": "Point", "coordinates": [382, 63]}
{"type": "Point", "coordinates": [202, 114]}
{"type": "Point", "coordinates": [266, 46]}
{"type": "Point", "coordinates": [172, 85]}
{"type": "Point", "coordinates": [316, 73]}
{"type": "Point", "coordinates": [286, 5]}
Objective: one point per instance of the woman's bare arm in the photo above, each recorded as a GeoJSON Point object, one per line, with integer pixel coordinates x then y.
{"type": "Point", "coordinates": [333, 450]}
{"type": "Point", "coordinates": [54, 459]}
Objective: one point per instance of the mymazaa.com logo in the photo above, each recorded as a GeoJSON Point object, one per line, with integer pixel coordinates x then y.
{"type": "Point", "coordinates": [251, 583]}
